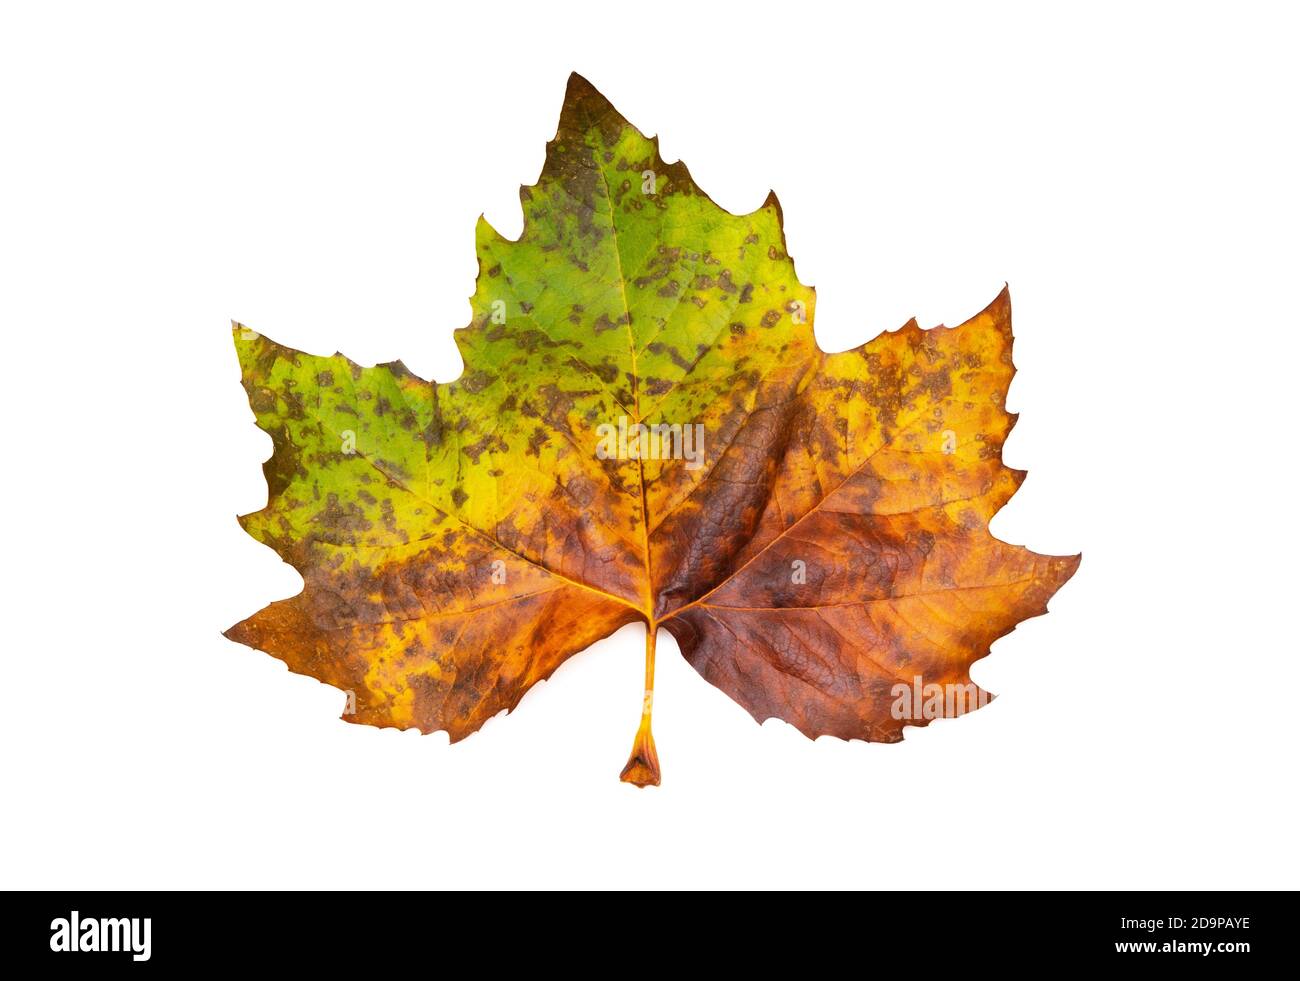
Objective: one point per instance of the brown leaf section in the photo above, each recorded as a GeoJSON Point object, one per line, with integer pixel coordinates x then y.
{"type": "Point", "coordinates": [840, 547]}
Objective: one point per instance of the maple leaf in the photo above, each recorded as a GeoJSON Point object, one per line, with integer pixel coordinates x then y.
{"type": "Point", "coordinates": [811, 528]}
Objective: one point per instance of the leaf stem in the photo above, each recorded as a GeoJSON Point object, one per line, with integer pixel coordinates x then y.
{"type": "Point", "coordinates": [642, 766]}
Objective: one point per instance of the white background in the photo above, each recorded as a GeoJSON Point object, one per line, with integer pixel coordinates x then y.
{"type": "Point", "coordinates": [316, 172]}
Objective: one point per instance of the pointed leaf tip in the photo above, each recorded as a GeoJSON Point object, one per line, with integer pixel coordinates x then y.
{"type": "Point", "coordinates": [585, 108]}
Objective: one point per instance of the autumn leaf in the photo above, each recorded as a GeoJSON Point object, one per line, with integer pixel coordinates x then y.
{"type": "Point", "coordinates": [645, 429]}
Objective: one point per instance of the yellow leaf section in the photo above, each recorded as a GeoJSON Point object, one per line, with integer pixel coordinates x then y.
{"type": "Point", "coordinates": [427, 613]}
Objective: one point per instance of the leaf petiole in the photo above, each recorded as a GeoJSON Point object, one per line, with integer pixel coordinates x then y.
{"type": "Point", "coordinates": [642, 767]}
